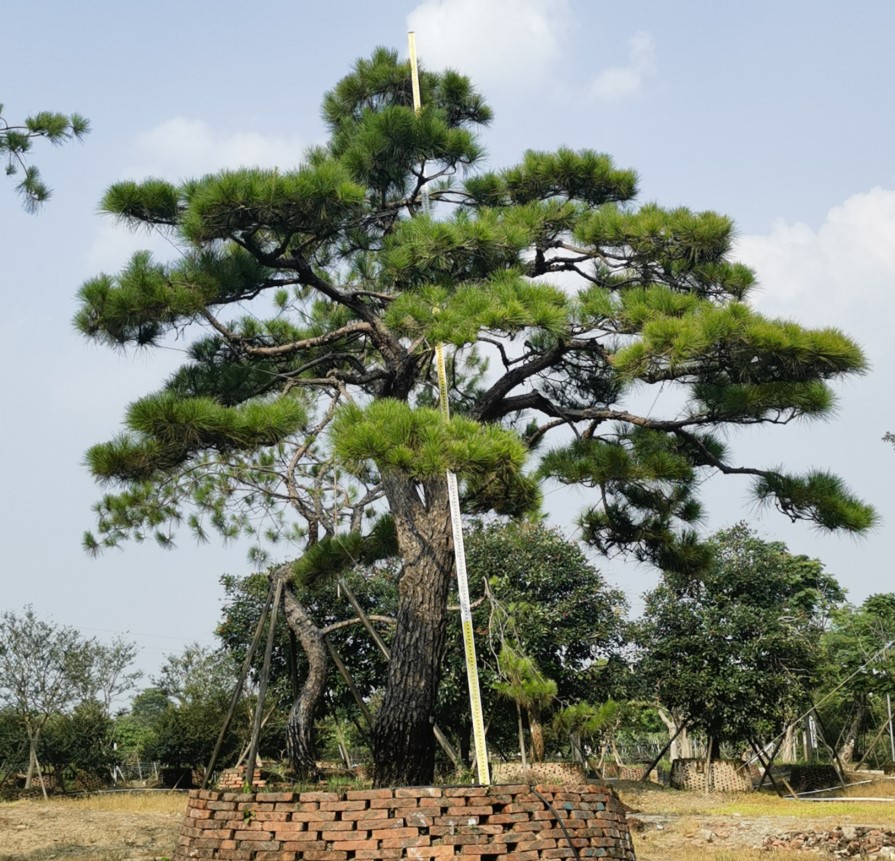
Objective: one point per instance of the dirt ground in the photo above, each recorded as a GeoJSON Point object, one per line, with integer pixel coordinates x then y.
{"type": "Point", "coordinates": [665, 826]}
{"type": "Point", "coordinates": [71, 831]}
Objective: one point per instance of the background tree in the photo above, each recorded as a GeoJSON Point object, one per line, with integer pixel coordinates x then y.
{"type": "Point", "coordinates": [522, 682]}
{"type": "Point", "coordinates": [365, 278]}
{"type": "Point", "coordinates": [45, 669]}
{"type": "Point", "coordinates": [197, 684]}
{"type": "Point", "coordinates": [16, 141]}
{"type": "Point", "coordinates": [734, 650]}
{"type": "Point", "coordinates": [111, 670]}
{"type": "Point", "coordinates": [80, 746]}
{"type": "Point", "coordinates": [536, 589]}
{"type": "Point", "coordinates": [859, 667]}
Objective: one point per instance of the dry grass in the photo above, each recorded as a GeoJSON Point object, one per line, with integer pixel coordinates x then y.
{"type": "Point", "coordinates": [655, 799]}
{"type": "Point", "coordinates": [129, 802]}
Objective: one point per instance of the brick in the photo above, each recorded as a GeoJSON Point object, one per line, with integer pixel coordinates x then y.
{"type": "Point", "coordinates": [436, 802]}
{"type": "Point", "coordinates": [303, 846]}
{"type": "Point", "coordinates": [419, 792]}
{"type": "Point", "coordinates": [197, 813]}
{"type": "Point", "coordinates": [464, 839]}
{"type": "Point", "coordinates": [523, 806]}
{"type": "Point", "coordinates": [268, 816]}
{"type": "Point", "coordinates": [343, 805]}
{"type": "Point", "coordinates": [319, 796]}
{"type": "Point", "coordinates": [470, 810]}
{"type": "Point", "coordinates": [235, 855]}
{"type": "Point", "coordinates": [291, 831]}
{"type": "Point", "coordinates": [322, 816]}
{"type": "Point", "coordinates": [274, 796]}
{"type": "Point", "coordinates": [259, 845]}
{"type": "Point", "coordinates": [485, 849]}
{"type": "Point", "coordinates": [249, 835]}
{"type": "Point", "coordinates": [418, 819]}
{"type": "Point", "coordinates": [536, 846]}
{"type": "Point", "coordinates": [379, 824]}
{"type": "Point", "coordinates": [465, 791]}
{"type": "Point", "coordinates": [325, 855]}
{"type": "Point", "coordinates": [342, 835]}
{"type": "Point", "coordinates": [405, 842]}
{"type": "Point", "coordinates": [275, 856]}
{"type": "Point", "coordinates": [338, 826]}
{"type": "Point", "coordinates": [358, 794]}
{"type": "Point", "coordinates": [505, 818]}
{"type": "Point", "coordinates": [521, 856]}
{"type": "Point", "coordinates": [350, 845]}
{"type": "Point", "coordinates": [360, 815]}
{"type": "Point", "coordinates": [378, 854]}
{"type": "Point", "coordinates": [388, 803]}
{"type": "Point", "coordinates": [393, 833]}
{"type": "Point", "coordinates": [544, 814]}
{"type": "Point", "coordinates": [499, 798]}
{"type": "Point", "coordinates": [301, 837]}
{"type": "Point", "coordinates": [431, 852]}
{"type": "Point", "coordinates": [220, 805]}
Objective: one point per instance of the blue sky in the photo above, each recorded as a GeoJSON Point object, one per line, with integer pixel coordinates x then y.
{"type": "Point", "coordinates": [778, 114]}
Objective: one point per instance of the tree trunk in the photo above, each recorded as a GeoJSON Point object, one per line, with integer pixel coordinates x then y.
{"type": "Point", "coordinates": [32, 764]}
{"type": "Point", "coordinates": [521, 736]}
{"type": "Point", "coordinates": [846, 751]}
{"type": "Point", "coordinates": [788, 748]}
{"type": "Point", "coordinates": [300, 741]}
{"type": "Point", "coordinates": [403, 740]}
{"type": "Point", "coordinates": [680, 746]}
{"type": "Point", "coordinates": [538, 750]}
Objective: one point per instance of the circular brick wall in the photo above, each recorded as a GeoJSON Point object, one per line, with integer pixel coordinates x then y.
{"type": "Point", "coordinates": [493, 823]}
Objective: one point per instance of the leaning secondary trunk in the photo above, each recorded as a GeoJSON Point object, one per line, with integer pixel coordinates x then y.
{"type": "Point", "coordinates": [403, 740]}
{"type": "Point", "coordinates": [300, 742]}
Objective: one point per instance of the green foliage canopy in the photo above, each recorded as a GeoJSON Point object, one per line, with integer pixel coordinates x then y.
{"type": "Point", "coordinates": [16, 141]}
{"type": "Point", "coordinates": [734, 650]}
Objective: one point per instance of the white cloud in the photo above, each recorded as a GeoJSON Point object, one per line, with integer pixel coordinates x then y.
{"type": "Point", "coordinates": [495, 42]}
{"type": "Point", "coordinates": [840, 274]}
{"type": "Point", "coordinates": [620, 82]}
{"type": "Point", "coordinates": [180, 147]}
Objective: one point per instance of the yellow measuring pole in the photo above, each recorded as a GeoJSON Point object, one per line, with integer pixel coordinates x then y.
{"type": "Point", "coordinates": [472, 670]}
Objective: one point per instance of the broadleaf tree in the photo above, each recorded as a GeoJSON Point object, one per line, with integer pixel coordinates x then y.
{"type": "Point", "coordinates": [45, 669]}
{"type": "Point", "coordinates": [734, 650]}
{"type": "Point", "coordinates": [316, 296]}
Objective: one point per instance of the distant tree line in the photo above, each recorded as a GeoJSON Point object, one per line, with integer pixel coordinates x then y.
{"type": "Point", "coordinates": [732, 658]}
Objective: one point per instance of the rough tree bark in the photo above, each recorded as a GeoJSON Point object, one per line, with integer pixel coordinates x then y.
{"type": "Point", "coordinates": [403, 740]}
{"type": "Point", "coordinates": [300, 742]}
{"type": "Point", "coordinates": [538, 747]}
{"type": "Point", "coordinates": [846, 750]}
{"type": "Point", "coordinates": [681, 748]}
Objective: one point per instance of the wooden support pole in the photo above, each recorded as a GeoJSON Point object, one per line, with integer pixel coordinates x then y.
{"type": "Point", "coordinates": [262, 685]}
{"type": "Point", "coordinates": [237, 691]}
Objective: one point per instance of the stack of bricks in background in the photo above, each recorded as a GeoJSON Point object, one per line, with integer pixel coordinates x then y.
{"type": "Point", "coordinates": [728, 775]}
{"type": "Point", "coordinates": [496, 823]}
{"type": "Point", "coordinates": [234, 778]}
{"type": "Point", "coordinates": [537, 772]}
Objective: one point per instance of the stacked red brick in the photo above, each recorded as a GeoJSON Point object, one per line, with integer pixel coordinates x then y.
{"type": "Point", "coordinates": [497, 823]}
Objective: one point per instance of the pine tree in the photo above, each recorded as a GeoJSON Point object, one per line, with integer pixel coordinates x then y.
{"type": "Point", "coordinates": [17, 140]}
{"type": "Point", "coordinates": [386, 241]}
